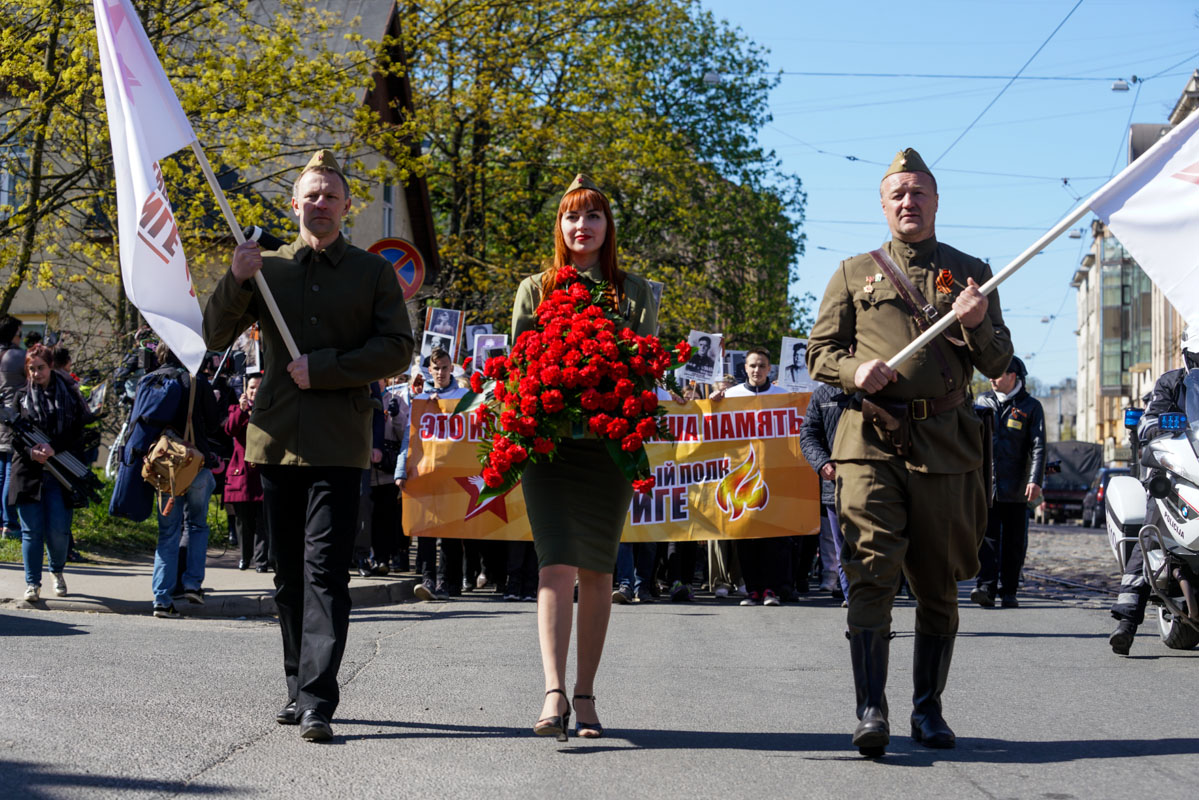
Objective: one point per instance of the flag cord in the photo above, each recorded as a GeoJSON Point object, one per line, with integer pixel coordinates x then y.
{"type": "Point", "coordinates": [239, 237]}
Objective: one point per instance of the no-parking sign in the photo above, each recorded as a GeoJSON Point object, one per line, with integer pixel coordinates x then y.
{"type": "Point", "coordinates": [407, 261]}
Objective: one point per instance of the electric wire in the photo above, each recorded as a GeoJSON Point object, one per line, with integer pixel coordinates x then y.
{"type": "Point", "coordinates": [1008, 84]}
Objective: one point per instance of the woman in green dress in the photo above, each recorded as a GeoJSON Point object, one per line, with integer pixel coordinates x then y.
{"type": "Point", "coordinates": [577, 503]}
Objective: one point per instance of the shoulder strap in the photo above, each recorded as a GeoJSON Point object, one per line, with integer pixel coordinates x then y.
{"type": "Point", "coordinates": [189, 434]}
{"type": "Point", "coordinates": [922, 311]}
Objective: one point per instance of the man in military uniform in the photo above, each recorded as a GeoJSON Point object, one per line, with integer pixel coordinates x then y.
{"type": "Point", "coordinates": [311, 427]}
{"type": "Point", "coordinates": [909, 449]}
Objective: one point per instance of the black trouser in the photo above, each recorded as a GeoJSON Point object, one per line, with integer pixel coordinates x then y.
{"type": "Point", "coordinates": [385, 522]}
{"type": "Point", "coordinates": [761, 563]}
{"type": "Point", "coordinates": [445, 576]}
{"type": "Point", "coordinates": [1001, 555]}
{"type": "Point", "coordinates": [1134, 591]}
{"type": "Point", "coordinates": [522, 569]}
{"type": "Point", "coordinates": [253, 536]}
{"type": "Point", "coordinates": [680, 562]}
{"type": "Point", "coordinates": [311, 513]}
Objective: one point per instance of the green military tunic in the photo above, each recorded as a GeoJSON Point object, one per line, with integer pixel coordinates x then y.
{"type": "Point", "coordinates": [925, 512]}
{"type": "Point", "coordinates": [346, 312]}
{"type": "Point", "coordinates": [578, 502]}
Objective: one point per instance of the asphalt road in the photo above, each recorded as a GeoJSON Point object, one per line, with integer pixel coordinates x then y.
{"type": "Point", "coordinates": [701, 700]}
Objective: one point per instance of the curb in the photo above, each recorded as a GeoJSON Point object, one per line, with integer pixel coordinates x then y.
{"type": "Point", "coordinates": [363, 595]}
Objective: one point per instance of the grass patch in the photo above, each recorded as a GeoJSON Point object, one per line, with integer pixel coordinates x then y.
{"type": "Point", "coordinates": [99, 535]}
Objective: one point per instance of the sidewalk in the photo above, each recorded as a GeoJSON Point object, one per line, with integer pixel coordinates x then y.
{"type": "Point", "coordinates": [124, 588]}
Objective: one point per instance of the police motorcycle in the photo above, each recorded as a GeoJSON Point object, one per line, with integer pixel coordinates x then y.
{"type": "Point", "coordinates": [1169, 546]}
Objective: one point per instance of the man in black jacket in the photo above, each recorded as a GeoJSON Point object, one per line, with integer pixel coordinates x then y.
{"type": "Point", "coordinates": [816, 436]}
{"type": "Point", "coordinates": [1018, 472]}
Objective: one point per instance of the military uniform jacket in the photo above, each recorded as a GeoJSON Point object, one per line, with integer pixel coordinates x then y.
{"type": "Point", "coordinates": [346, 311]}
{"type": "Point", "coordinates": [638, 310]}
{"type": "Point", "coordinates": [864, 313]}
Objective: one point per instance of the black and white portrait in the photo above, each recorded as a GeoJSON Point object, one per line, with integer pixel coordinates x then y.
{"type": "Point", "coordinates": [705, 356]}
{"type": "Point", "coordinates": [793, 368]}
{"type": "Point", "coordinates": [488, 345]}
{"type": "Point", "coordinates": [735, 365]}
{"type": "Point", "coordinates": [474, 331]}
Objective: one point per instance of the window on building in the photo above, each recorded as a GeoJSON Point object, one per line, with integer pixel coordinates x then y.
{"type": "Point", "coordinates": [388, 208]}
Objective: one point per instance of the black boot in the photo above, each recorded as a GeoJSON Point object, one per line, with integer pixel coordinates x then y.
{"type": "Point", "coordinates": [1121, 639]}
{"type": "Point", "coordinates": [930, 670]}
{"type": "Point", "coordinates": [868, 651]}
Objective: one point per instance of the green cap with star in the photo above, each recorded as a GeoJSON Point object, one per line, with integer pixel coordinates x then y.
{"type": "Point", "coordinates": [323, 159]}
{"type": "Point", "coordinates": [907, 160]}
{"type": "Point", "coordinates": [582, 181]}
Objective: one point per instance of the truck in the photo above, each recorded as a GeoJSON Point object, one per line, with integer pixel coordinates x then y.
{"type": "Point", "coordinates": [1070, 467]}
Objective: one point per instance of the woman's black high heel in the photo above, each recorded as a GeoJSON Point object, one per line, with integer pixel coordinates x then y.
{"type": "Point", "coordinates": [558, 726]}
{"type": "Point", "coordinates": [582, 726]}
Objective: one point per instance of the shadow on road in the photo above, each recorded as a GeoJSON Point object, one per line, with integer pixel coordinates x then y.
{"type": "Point", "coordinates": [38, 780]}
{"type": "Point", "coordinates": [23, 625]}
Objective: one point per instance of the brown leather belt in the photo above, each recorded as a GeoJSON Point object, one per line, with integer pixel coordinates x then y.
{"type": "Point", "coordinates": [920, 408]}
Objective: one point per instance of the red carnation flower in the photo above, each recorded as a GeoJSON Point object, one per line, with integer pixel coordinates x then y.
{"type": "Point", "coordinates": [517, 453]}
{"type": "Point", "coordinates": [624, 387]}
{"type": "Point", "coordinates": [466, 362]}
{"type": "Point", "coordinates": [649, 401]}
{"type": "Point", "coordinates": [631, 443]}
{"type": "Point", "coordinates": [528, 404]}
{"type": "Point", "coordinates": [476, 383]}
{"type": "Point", "coordinates": [567, 274]}
{"type": "Point", "coordinates": [500, 460]}
{"type": "Point", "coordinates": [542, 446]}
{"type": "Point", "coordinates": [492, 478]}
{"type": "Point", "coordinates": [617, 428]}
{"type": "Point", "coordinates": [647, 428]}
{"type": "Point", "coordinates": [644, 486]}
{"type": "Point", "coordinates": [631, 407]}
{"type": "Point", "coordinates": [552, 401]}
{"type": "Point", "coordinates": [598, 424]}
{"type": "Point", "coordinates": [526, 426]}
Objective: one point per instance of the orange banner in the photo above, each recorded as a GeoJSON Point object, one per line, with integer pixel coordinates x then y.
{"type": "Point", "coordinates": [735, 472]}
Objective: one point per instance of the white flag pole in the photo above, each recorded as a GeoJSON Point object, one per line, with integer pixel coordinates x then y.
{"type": "Point", "coordinates": [948, 319]}
{"type": "Point", "coordinates": [239, 237]}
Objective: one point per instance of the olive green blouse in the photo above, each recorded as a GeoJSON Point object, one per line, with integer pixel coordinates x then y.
{"type": "Point", "coordinates": [638, 309]}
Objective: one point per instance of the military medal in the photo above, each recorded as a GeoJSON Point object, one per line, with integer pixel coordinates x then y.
{"type": "Point", "coordinates": [869, 287]}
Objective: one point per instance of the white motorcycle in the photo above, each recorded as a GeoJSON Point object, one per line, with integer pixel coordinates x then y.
{"type": "Point", "coordinates": [1170, 549]}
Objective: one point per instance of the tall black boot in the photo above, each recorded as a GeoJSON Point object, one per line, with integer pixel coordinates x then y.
{"type": "Point", "coordinates": [930, 670]}
{"type": "Point", "coordinates": [868, 651]}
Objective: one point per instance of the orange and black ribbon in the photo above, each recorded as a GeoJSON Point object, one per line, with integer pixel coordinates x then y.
{"type": "Point", "coordinates": [945, 282]}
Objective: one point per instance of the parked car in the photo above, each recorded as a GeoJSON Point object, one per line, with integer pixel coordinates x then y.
{"type": "Point", "coordinates": [1070, 467]}
{"type": "Point", "coordinates": [1092, 503]}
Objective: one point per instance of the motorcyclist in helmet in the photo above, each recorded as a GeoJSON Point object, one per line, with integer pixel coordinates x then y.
{"type": "Point", "coordinates": [1166, 397]}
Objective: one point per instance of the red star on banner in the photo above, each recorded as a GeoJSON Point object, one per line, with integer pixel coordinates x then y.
{"type": "Point", "coordinates": [496, 505]}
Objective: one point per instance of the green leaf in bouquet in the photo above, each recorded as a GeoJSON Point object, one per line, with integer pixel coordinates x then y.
{"type": "Point", "coordinates": [633, 465]}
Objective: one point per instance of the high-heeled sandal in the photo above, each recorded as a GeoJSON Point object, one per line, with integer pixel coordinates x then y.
{"type": "Point", "coordinates": [581, 726]}
{"type": "Point", "coordinates": [559, 725]}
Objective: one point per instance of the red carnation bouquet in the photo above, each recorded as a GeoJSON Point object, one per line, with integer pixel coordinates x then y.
{"type": "Point", "coordinates": [577, 371]}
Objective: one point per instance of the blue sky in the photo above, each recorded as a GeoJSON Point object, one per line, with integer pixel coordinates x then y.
{"type": "Point", "coordinates": [1037, 133]}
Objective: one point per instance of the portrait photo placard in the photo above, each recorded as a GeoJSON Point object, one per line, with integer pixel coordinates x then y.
{"type": "Point", "coordinates": [707, 358]}
{"type": "Point", "coordinates": [793, 367]}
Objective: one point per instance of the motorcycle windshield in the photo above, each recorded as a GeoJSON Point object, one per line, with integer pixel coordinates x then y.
{"type": "Point", "coordinates": [1190, 403]}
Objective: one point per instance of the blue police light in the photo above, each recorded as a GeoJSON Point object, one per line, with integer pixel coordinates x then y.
{"type": "Point", "coordinates": [1173, 422]}
{"type": "Point", "coordinates": [1132, 417]}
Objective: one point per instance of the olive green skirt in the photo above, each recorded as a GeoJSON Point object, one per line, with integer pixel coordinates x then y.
{"type": "Point", "coordinates": [577, 506]}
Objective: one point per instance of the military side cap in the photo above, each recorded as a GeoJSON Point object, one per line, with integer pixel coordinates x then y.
{"type": "Point", "coordinates": [323, 159]}
{"type": "Point", "coordinates": [581, 181]}
{"type": "Point", "coordinates": [907, 161]}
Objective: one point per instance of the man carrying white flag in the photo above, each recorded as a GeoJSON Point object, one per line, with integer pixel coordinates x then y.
{"type": "Point", "coordinates": [146, 123]}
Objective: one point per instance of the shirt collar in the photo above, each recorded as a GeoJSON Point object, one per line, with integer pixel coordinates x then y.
{"type": "Point", "coordinates": [915, 251]}
{"type": "Point", "coordinates": [756, 389]}
{"type": "Point", "coordinates": [333, 253]}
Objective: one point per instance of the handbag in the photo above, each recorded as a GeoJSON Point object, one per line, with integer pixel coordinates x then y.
{"type": "Point", "coordinates": [173, 461]}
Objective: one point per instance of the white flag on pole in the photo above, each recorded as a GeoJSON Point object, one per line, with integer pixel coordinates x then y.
{"type": "Point", "coordinates": [1153, 209]}
{"type": "Point", "coordinates": [146, 123]}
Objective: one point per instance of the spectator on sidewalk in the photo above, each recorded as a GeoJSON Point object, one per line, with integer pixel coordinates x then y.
{"type": "Point", "coordinates": [12, 379]}
{"type": "Point", "coordinates": [190, 509]}
{"type": "Point", "coordinates": [58, 411]}
{"type": "Point", "coordinates": [243, 487]}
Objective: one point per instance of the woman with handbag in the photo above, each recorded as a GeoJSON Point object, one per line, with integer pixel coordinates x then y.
{"type": "Point", "coordinates": [58, 411]}
{"type": "Point", "coordinates": [577, 503]}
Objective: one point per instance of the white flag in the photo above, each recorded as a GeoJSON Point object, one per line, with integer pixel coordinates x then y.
{"type": "Point", "coordinates": [146, 123]}
{"type": "Point", "coordinates": [1152, 207]}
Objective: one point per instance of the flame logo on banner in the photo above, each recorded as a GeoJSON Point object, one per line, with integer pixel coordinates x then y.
{"type": "Point", "coordinates": [743, 489]}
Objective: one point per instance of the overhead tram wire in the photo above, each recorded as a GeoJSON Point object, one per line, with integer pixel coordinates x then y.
{"type": "Point", "coordinates": [1009, 83]}
{"type": "Point", "coordinates": [948, 77]}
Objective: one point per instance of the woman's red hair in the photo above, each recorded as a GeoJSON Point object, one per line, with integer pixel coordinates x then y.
{"type": "Point", "coordinates": [585, 200]}
{"type": "Point", "coordinates": [39, 351]}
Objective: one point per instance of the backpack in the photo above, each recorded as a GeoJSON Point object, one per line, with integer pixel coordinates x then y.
{"type": "Point", "coordinates": [172, 463]}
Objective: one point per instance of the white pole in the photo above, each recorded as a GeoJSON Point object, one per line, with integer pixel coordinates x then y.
{"type": "Point", "coordinates": [239, 237]}
{"type": "Point", "coordinates": [944, 322]}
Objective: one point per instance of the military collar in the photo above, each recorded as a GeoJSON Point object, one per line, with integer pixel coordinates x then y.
{"type": "Point", "coordinates": [749, 387]}
{"type": "Point", "coordinates": [300, 250]}
{"type": "Point", "coordinates": [914, 252]}
{"type": "Point", "coordinates": [595, 274]}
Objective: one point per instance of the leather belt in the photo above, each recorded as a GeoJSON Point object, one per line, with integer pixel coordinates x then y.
{"type": "Point", "coordinates": [921, 408]}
